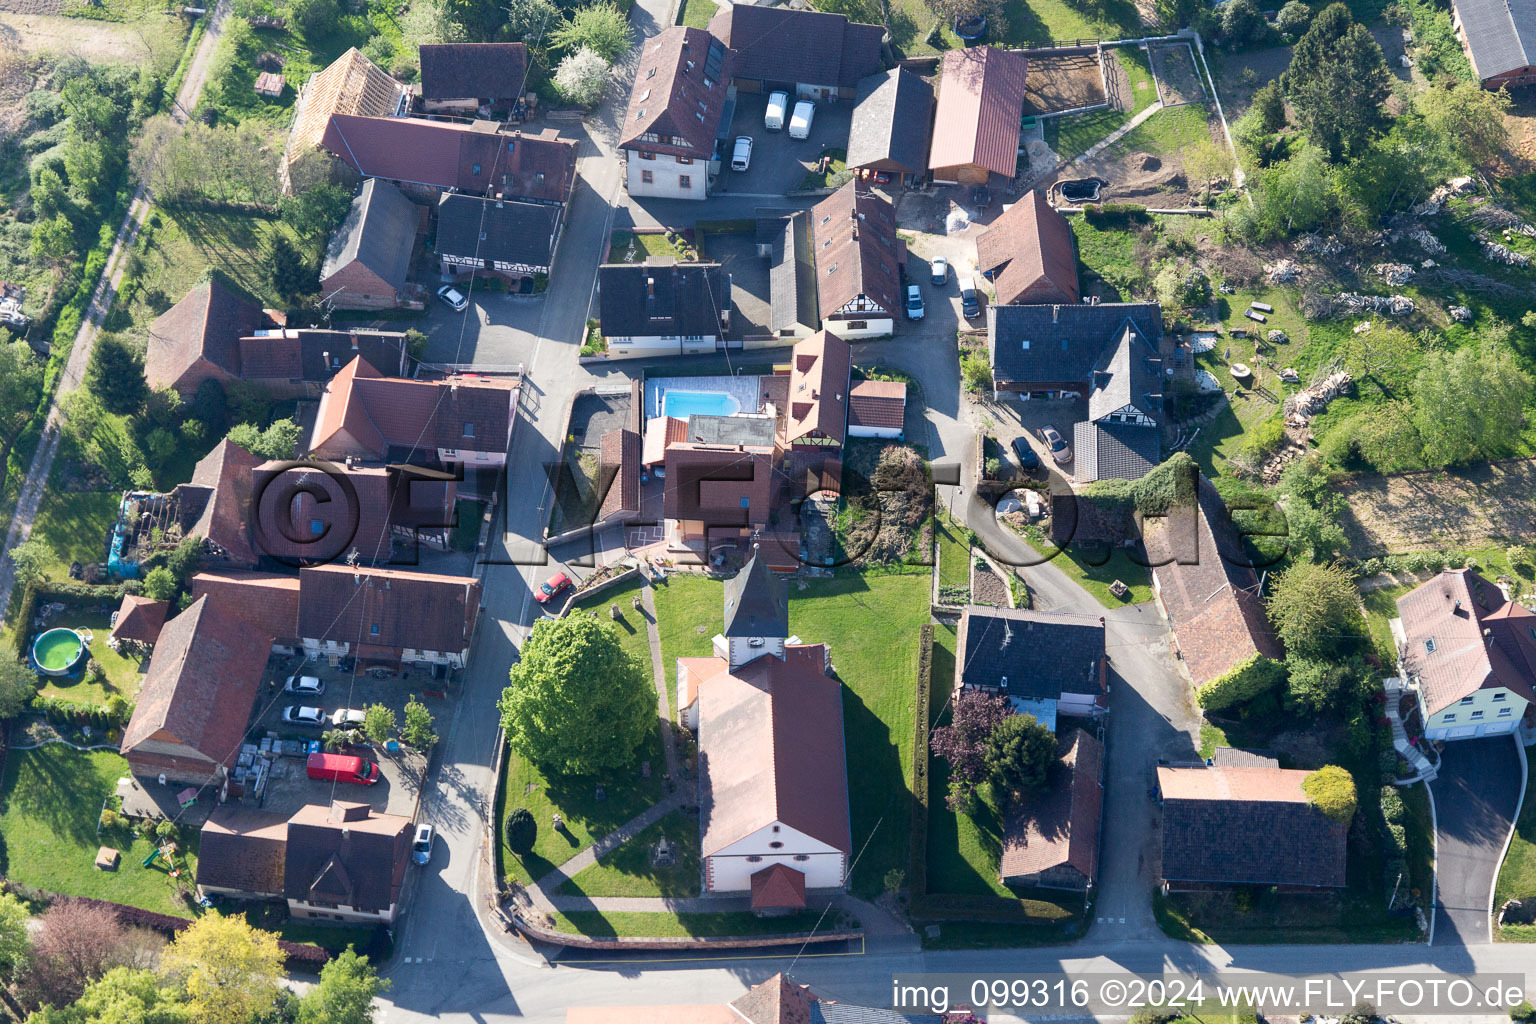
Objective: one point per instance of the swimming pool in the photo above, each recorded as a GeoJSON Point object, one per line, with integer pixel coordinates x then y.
{"type": "Point", "coordinates": [683, 404]}
{"type": "Point", "coordinates": [58, 651]}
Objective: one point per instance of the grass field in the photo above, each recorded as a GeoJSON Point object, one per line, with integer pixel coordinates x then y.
{"type": "Point", "coordinates": [122, 672]}
{"type": "Point", "coordinates": [50, 804]}
{"type": "Point", "coordinates": [689, 612]}
{"type": "Point", "coordinates": [871, 622]}
{"type": "Point", "coordinates": [1381, 609]}
{"type": "Point", "coordinates": [954, 560]}
{"type": "Point", "coordinates": [634, 247]}
{"type": "Point", "coordinates": [836, 165]}
{"type": "Point", "coordinates": [696, 13]}
{"type": "Point", "coordinates": [1517, 877]}
{"type": "Point", "coordinates": [1167, 131]}
{"type": "Point", "coordinates": [629, 871]}
{"type": "Point", "coordinates": [1113, 564]}
{"type": "Point", "coordinates": [74, 526]}
{"type": "Point", "coordinates": [1071, 136]}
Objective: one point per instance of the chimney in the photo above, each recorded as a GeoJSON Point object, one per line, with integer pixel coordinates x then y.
{"type": "Point", "coordinates": [354, 341]}
{"type": "Point", "coordinates": [650, 286]}
{"type": "Point", "coordinates": [325, 357]}
{"type": "Point", "coordinates": [1055, 313]}
{"type": "Point", "coordinates": [1004, 684]}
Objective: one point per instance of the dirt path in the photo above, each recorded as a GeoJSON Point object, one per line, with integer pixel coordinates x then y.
{"type": "Point", "coordinates": [93, 40]}
{"type": "Point", "coordinates": [1487, 504]}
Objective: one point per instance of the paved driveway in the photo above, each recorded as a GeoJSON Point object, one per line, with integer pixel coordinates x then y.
{"type": "Point", "coordinates": [1477, 796]}
{"type": "Point", "coordinates": [779, 163]}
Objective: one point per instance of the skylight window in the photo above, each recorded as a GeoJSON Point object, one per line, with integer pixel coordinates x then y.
{"type": "Point", "coordinates": [1429, 644]}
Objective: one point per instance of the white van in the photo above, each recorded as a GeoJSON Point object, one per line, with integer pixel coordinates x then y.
{"type": "Point", "coordinates": [778, 104]}
{"type": "Point", "coordinates": [800, 123]}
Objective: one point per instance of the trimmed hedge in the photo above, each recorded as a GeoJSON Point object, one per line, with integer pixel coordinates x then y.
{"type": "Point", "coordinates": [1115, 214]}
{"type": "Point", "coordinates": [917, 868]}
{"type": "Point", "coordinates": [301, 955]}
{"type": "Point", "coordinates": [63, 711]}
{"type": "Point", "coordinates": [1245, 682]}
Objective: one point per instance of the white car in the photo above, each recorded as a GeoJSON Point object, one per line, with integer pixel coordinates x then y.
{"type": "Point", "coordinates": [773, 118]}
{"type": "Point", "coordinates": [940, 268]}
{"type": "Point", "coordinates": [309, 686]}
{"type": "Point", "coordinates": [741, 157]}
{"type": "Point", "coordinates": [421, 846]}
{"type": "Point", "coordinates": [298, 715]}
{"type": "Point", "coordinates": [914, 302]}
{"type": "Point", "coordinates": [348, 717]}
{"type": "Point", "coordinates": [453, 297]}
{"type": "Point", "coordinates": [800, 123]}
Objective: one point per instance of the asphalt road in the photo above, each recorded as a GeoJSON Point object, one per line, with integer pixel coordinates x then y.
{"type": "Point", "coordinates": [1477, 795]}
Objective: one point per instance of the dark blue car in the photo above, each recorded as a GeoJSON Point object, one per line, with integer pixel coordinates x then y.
{"type": "Point", "coordinates": [1028, 460]}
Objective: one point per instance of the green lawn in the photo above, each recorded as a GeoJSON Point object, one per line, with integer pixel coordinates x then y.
{"type": "Point", "coordinates": [50, 804]}
{"type": "Point", "coordinates": [689, 613]}
{"type": "Point", "coordinates": [1072, 135]}
{"type": "Point", "coordinates": [629, 871]}
{"type": "Point", "coordinates": [999, 935]}
{"type": "Point", "coordinates": [1114, 564]}
{"type": "Point", "coordinates": [1517, 878]}
{"type": "Point", "coordinates": [74, 526]}
{"type": "Point", "coordinates": [837, 165]}
{"type": "Point", "coordinates": [1381, 609]}
{"type": "Point", "coordinates": [635, 247]}
{"type": "Point", "coordinates": [597, 924]}
{"type": "Point", "coordinates": [630, 624]}
{"type": "Point", "coordinates": [1167, 131]}
{"type": "Point", "coordinates": [123, 673]}
{"type": "Point", "coordinates": [872, 622]}
{"type": "Point", "coordinates": [696, 13]}
{"type": "Point", "coordinates": [954, 560]}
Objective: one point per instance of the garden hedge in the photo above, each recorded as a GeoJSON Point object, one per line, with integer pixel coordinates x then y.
{"type": "Point", "coordinates": [1245, 682]}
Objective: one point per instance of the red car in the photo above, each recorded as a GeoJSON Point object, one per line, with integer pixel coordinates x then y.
{"type": "Point", "coordinates": [550, 587]}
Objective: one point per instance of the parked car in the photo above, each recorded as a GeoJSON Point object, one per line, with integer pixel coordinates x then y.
{"type": "Point", "coordinates": [773, 118]}
{"type": "Point", "coordinates": [341, 768]}
{"type": "Point", "coordinates": [455, 299]}
{"type": "Point", "coordinates": [421, 846]}
{"type": "Point", "coordinates": [741, 157]}
{"type": "Point", "coordinates": [550, 587]}
{"type": "Point", "coordinates": [349, 718]}
{"type": "Point", "coordinates": [1060, 450]}
{"type": "Point", "coordinates": [940, 269]}
{"type": "Point", "coordinates": [1028, 460]}
{"type": "Point", "coordinates": [301, 715]}
{"type": "Point", "coordinates": [800, 123]}
{"type": "Point", "coordinates": [970, 305]}
{"type": "Point", "coordinates": [914, 302]}
{"type": "Point", "coordinates": [309, 686]}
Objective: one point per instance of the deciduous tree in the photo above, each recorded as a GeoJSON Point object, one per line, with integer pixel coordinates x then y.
{"type": "Point", "coordinates": [963, 742]}
{"type": "Point", "coordinates": [229, 970]}
{"type": "Point", "coordinates": [278, 441]}
{"type": "Point", "coordinates": [344, 994]}
{"type": "Point", "coordinates": [578, 704]}
{"type": "Point", "coordinates": [378, 724]}
{"type": "Point", "coordinates": [1293, 18]}
{"type": "Point", "coordinates": [1470, 404]}
{"type": "Point", "coordinates": [15, 936]}
{"type": "Point", "coordinates": [582, 76]}
{"type": "Point", "coordinates": [122, 996]}
{"type": "Point", "coordinates": [602, 28]}
{"type": "Point", "coordinates": [1331, 789]}
{"type": "Point", "coordinates": [18, 685]}
{"type": "Point", "coordinates": [417, 730]}
{"type": "Point", "coordinates": [75, 944]}
{"type": "Point", "coordinates": [159, 584]}
{"type": "Point", "coordinates": [1470, 117]}
{"type": "Point", "coordinates": [31, 559]}
{"type": "Point", "coordinates": [1316, 610]}
{"type": "Point", "coordinates": [1242, 22]}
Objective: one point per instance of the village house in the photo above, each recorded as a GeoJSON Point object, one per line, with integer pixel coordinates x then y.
{"type": "Point", "coordinates": [472, 79]}
{"type": "Point", "coordinates": [1110, 353]}
{"type": "Point", "coordinates": [773, 780]}
{"type": "Point", "coordinates": [794, 311]}
{"type": "Point", "coordinates": [387, 616]}
{"type": "Point", "coordinates": [1468, 654]}
{"type": "Point", "coordinates": [981, 105]}
{"type": "Point", "coordinates": [196, 698]}
{"type": "Point", "coordinates": [369, 256]}
{"type": "Point", "coordinates": [778, 1000]}
{"type": "Point", "coordinates": [426, 158]}
{"type": "Point", "coordinates": [267, 603]}
{"type": "Point", "coordinates": [343, 863]}
{"type": "Point", "coordinates": [858, 261]}
{"type": "Point", "coordinates": [618, 477]}
{"type": "Point", "coordinates": [138, 621]}
{"type": "Point", "coordinates": [888, 138]}
{"type": "Point", "coordinates": [1246, 824]}
{"type": "Point", "coordinates": [1499, 37]}
{"type": "Point", "coordinates": [810, 54]}
{"type": "Point", "coordinates": [1047, 664]}
{"type": "Point", "coordinates": [1208, 590]}
{"type": "Point", "coordinates": [1027, 254]}
{"type": "Point", "coordinates": [351, 85]}
{"type": "Point", "coordinates": [674, 114]}
{"type": "Point", "coordinates": [815, 417]}
{"type": "Point", "coordinates": [214, 333]}
{"type": "Point", "coordinates": [877, 408]}
{"type": "Point", "coordinates": [1051, 839]}
{"type": "Point", "coordinates": [506, 240]}
{"type": "Point", "coordinates": [648, 309]}
{"type": "Point", "coordinates": [719, 491]}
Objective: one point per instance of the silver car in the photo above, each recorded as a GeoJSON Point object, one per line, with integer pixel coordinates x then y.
{"type": "Point", "coordinates": [421, 846]}
{"type": "Point", "coordinates": [347, 718]}
{"type": "Point", "coordinates": [299, 715]}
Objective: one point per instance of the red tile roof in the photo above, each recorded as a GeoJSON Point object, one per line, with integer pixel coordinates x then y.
{"type": "Point", "coordinates": [1480, 639]}
{"type": "Point", "coordinates": [266, 602]}
{"type": "Point", "coordinates": [675, 95]}
{"type": "Point", "coordinates": [856, 250]}
{"type": "Point", "coordinates": [1028, 251]}
{"type": "Point", "coordinates": [778, 887]}
{"type": "Point", "coordinates": [719, 485]}
{"type": "Point", "coordinates": [220, 493]}
{"type": "Point", "coordinates": [818, 388]}
{"type": "Point", "coordinates": [776, 1001]}
{"type": "Point", "coordinates": [388, 608]}
{"type": "Point", "coordinates": [140, 618]}
{"type": "Point", "coordinates": [479, 158]}
{"type": "Point", "coordinates": [207, 324]}
{"type": "Point", "coordinates": [619, 472]}
{"type": "Point", "coordinates": [243, 848]}
{"type": "Point", "coordinates": [1059, 827]}
{"type": "Point", "coordinates": [363, 414]}
{"type": "Point", "coordinates": [880, 404]}
{"type": "Point", "coordinates": [661, 433]}
{"type": "Point", "coordinates": [981, 103]}
{"type": "Point", "coordinates": [771, 750]}
{"type": "Point", "coordinates": [199, 689]}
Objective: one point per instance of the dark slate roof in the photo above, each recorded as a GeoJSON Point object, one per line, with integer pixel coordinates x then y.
{"type": "Point", "coordinates": [1041, 654]}
{"type": "Point", "coordinates": [387, 608]}
{"type": "Point", "coordinates": [892, 115]}
{"type": "Point", "coordinates": [842, 1013]}
{"type": "Point", "coordinates": [1501, 34]}
{"type": "Point", "coordinates": [748, 430]}
{"type": "Point", "coordinates": [792, 275]}
{"type": "Point", "coordinates": [497, 231]}
{"type": "Point", "coordinates": [243, 848]}
{"type": "Point", "coordinates": [312, 354]}
{"type": "Point", "coordinates": [1114, 451]}
{"type": "Point", "coordinates": [1130, 372]}
{"type": "Point", "coordinates": [347, 854]}
{"type": "Point", "coordinates": [642, 300]}
{"type": "Point", "coordinates": [1065, 342]}
{"type": "Point", "coordinates": [756, 602]}
{"type": "Point", "coordinates": [456, 71]}
{"type": "Point", "coordinates": [1247, 825]}
{"type": "Point", "coordinates": [378, 232]}
{"type": "Point", "coordinates": [777, 44]}
{"type": "Point", "coordinates": [679, 92]}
